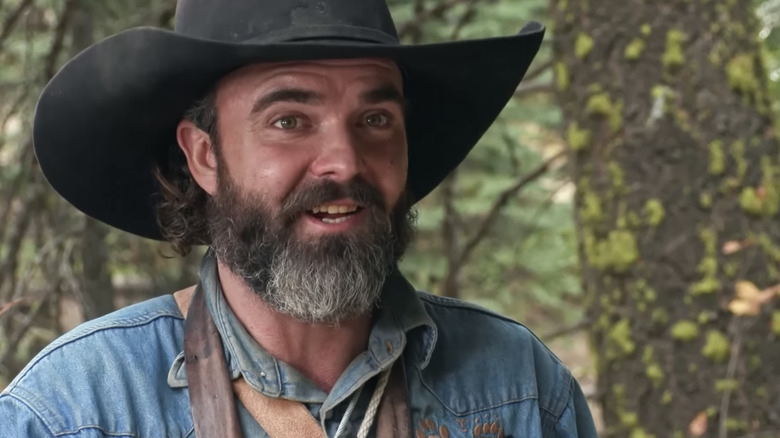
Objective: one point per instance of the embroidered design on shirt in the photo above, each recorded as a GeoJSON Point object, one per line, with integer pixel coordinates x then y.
{"type": "Point", "coordinates": [487, 427]}
{"type": "Point", "coordinates": [463, 424]}
{"type": "Point", "coordinates": [427, 429]}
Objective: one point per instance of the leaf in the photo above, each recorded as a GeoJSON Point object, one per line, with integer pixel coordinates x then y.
{"type": "Point", "coordinates": [734, 246]}
{"type": "Point", "coordinates": [747, 291]}
{"type": "Point", "coordinates": [10, 305]}
{"type": "Point", "coordinates": [743, 308]}
{"type": "Point", "coordinates": [749, 298]}
{"type": "Point", "coordinates": [698, 426]}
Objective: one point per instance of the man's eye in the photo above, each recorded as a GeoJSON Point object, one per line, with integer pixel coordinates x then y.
{"type": "Point", "coordinates": [288, 122]}
{"type": "Point", "coordinates": [376, 120]}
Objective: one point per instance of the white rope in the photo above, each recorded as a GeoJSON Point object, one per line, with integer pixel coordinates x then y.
{"type": "Point", "coordinates": [373, 405]}
{"type": "Point", "coordinates": [348, 413]}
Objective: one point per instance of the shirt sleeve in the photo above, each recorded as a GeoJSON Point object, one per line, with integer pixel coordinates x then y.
{"type": "Point", "coordinates": [17, 420]}
{"type": "Point", "coordinates": [576, 420]}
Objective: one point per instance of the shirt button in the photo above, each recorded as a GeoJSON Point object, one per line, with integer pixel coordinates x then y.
{"type": "Point", "coordinates": [262, 373]}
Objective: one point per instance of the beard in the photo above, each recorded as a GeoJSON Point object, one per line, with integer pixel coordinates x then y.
{"type": "Point", "coordinates": [317, 279]}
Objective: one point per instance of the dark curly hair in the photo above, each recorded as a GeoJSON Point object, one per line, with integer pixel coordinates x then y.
{"type": "Point", "coordinates": [181, 205]}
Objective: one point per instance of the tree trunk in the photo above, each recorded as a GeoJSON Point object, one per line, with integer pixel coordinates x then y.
{"type": "Point", "coordinates": [675, 158]}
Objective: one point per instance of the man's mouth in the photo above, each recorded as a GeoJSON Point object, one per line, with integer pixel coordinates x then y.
{"type": "Point", "coordinates": [334, 214]}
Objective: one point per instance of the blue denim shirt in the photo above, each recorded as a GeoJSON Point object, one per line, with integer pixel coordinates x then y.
{"type": "Point", "coordinates": [470, 373]}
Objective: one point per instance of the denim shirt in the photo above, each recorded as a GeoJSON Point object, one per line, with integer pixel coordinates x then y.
{"type": "Point", "coordinates": [470, 373]}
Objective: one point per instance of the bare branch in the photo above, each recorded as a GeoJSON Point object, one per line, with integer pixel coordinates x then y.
{"type": "Point", "coordinates": [501, 202]}
{"type": "Point", "coordinates": [538, 71]}
{"type": "Point", "coordinates": [465, 18]}
{"type": "Point", "coordinates": [20, 99]}
{"type": "Point", "coordinates": [13, 241]}
{"type": "Point", "coordinates": [59, 38]}
{"type": "Point", "coordinates": [166, 15]}
{"type": "Point", "coordinates": [423, 16]}
{"type": "Point", "coordinates": [730, 372]}
{"type": "Point", "coordinates": [525, 90]}
{"type": "Point", "coordinates": [15, 186]}
{"type": "Point", "coordinates": [10, 21]}
{"type": "Point", "coordinates": [20, 330]}
{"type": "Point", "coordinates": [11, 304]}
{"type": "Point", "coordinates": [567, 330]}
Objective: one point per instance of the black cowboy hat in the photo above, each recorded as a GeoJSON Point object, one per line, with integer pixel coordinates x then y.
{"type": "Point", "coordinates": [109, 115]}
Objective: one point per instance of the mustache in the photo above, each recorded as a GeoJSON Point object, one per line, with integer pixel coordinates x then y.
{"type": "Point", "coordinates": [322, 192]}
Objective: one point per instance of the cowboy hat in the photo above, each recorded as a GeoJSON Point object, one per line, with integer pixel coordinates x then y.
{"type": "Point", "coordinates": [110, 114]}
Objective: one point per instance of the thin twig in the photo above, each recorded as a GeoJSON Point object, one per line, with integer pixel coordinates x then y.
{"type": "Point", "coordinates": [20, 99]}
{"type": "Point", "coordinates": [501, 202]}
{"type": "Point", "coordinates": [537, 71]}
{"type": "Point", "coordinates": [59, 37]}
{"type": "Point", "coordinates": [11, 19]}
{"type": "Point", "coordinates": [535, 87]}
{"type": "Point", "coordinates": [566, 330]}
{"type": "Point", "coordinates": [13, 241]}
{"type": "Point", "coordinates": [422, 17]}
{"type": "Point", "coordinates": [15, 186]}
{"type": "Point", "coordinates": [166, 15]}
{"type": "Point", "coordinates": [20, 330]}
{"type": "Point", "coordinates": [725, 400]}
{"type": "Point", "coordinates": [465, 18]}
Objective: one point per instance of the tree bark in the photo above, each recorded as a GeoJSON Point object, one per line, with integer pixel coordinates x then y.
{"type": "Point", "coordinates": [675, 156]}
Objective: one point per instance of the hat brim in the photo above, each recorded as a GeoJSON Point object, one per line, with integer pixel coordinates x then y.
{"type": "Point", "coordinates": [109, 115]}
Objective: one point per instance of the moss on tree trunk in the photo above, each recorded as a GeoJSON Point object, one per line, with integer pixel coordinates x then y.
{"type": "Point", "coordinates": [675, 155]}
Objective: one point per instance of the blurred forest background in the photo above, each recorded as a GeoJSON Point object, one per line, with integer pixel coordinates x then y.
{"type": "Point", "coordinates": [624, 206]}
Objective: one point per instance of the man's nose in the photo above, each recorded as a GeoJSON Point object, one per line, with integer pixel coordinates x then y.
{"type": "Point", "coordinates": [339, 154]}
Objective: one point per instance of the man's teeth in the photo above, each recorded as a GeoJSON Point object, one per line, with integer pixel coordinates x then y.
{"type": "Point", "coordinates": [337, 220]}
{"type": "Point", "coordinates": [334, 209]}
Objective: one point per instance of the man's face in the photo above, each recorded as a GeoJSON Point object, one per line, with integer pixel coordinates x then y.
{"type": "Point", "coordinates": [283, 126]}
{"type": "Point", "coordinates": [309, 206]}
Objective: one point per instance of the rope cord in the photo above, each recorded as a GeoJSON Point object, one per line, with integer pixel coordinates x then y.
{"type": "Point", "coordinates": [373, 406]}
{"type": "Point", "coordinates": [348, 413]}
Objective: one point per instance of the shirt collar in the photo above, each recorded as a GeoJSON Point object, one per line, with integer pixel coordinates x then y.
{"type": "Point", "coordinates": [401, 317]}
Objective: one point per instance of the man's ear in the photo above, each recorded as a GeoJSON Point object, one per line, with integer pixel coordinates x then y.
{"type": "Point", "coordinates": [201, 157]}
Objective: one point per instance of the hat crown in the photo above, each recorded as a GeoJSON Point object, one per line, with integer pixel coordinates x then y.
{"type": "Point", "coordinates": [286, 20]}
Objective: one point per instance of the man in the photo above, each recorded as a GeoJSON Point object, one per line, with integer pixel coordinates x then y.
{"type": "Point", "coordinates": [293, 138]}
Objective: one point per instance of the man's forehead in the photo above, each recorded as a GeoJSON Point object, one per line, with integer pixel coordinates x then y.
{"type": "Point", "coordinates": [380, 67]}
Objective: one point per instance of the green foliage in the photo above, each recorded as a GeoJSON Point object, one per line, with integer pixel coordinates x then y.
{"type": "Point", "coordinates": [583, 45]}
{"type": "Point", "coordinates": [685, 331]}
{"type": "Point", "coordinates": [674, 57]}
{"type": "Point", "coordinates": [716, 346]}
{"type": "Point", "coordinates": [526, 266]}
{"type": "Point", "coordinates": [634, 49]}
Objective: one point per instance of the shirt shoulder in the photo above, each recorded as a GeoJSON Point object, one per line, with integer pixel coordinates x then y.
{"type": "Point", "coordinates": [498, 357]}
{"type": "Point", "coordinates": [108, 374]}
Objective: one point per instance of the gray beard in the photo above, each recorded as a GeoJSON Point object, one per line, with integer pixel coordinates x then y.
{"type": "Point", "coordinates": [324, 281]}
{"type": "Point", "coordinates": [341, 282]}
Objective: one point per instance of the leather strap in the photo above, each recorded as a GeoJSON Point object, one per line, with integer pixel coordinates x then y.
{"type": "Point", "coordinates": [211, 395]}
{"type": "Point", "coordinates": [279, 417]}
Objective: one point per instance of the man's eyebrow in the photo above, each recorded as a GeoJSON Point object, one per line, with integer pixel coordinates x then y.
{"type": "Point", "coordinates": [384, 93]}
{"type": "Point", "coordinates": [286, 95]}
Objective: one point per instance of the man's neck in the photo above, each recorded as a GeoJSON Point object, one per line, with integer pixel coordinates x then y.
{"type": "Point", "coordinates": [320, 352]}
